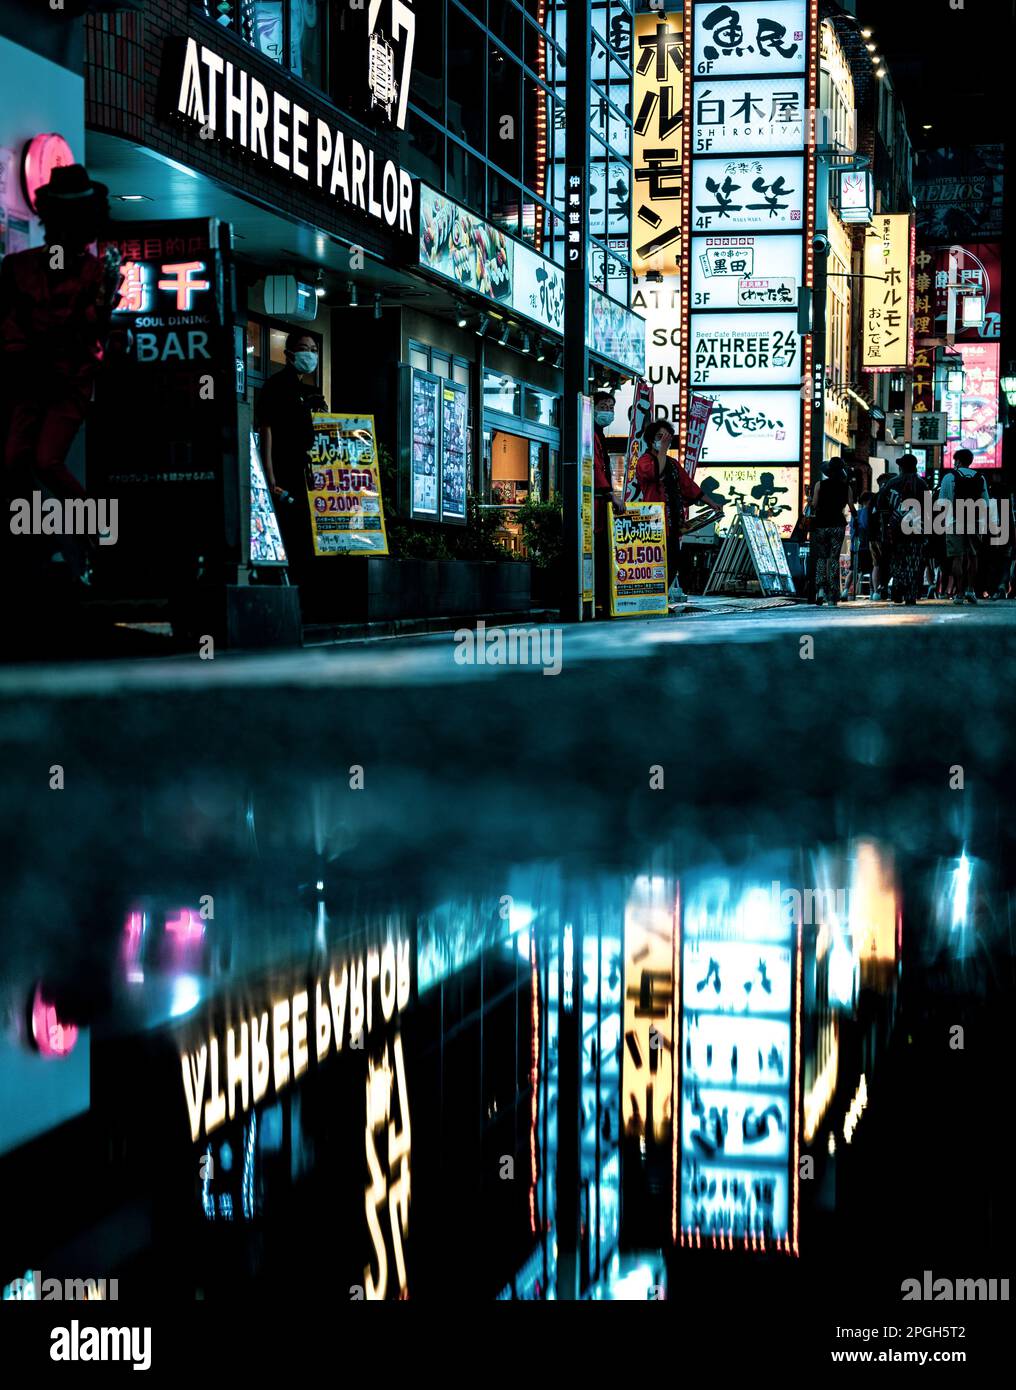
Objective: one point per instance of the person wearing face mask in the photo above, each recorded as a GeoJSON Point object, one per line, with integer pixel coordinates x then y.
{"type": "Point", "coordinates": [287, 433]}
{"type": "Point", "coordinates": [603, 493]}
{"type": "Point", "coordinates": [662, 479]}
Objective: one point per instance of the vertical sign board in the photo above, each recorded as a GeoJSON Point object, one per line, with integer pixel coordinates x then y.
{"type": "Point", "coordinates": [344, 487]}
{"type": "Point", "coordinates": [587, 439]}
{"type": "Point", "coordinates": [887, 325]}
{"type": "Point", "coordinates": [748, 216]}
{"type": "Point", "coordinates": [738, 1077]}
{"type": "Point", "coordinates": [648, 1058]}
{"type": "Point", "coordinates": [168, 385]}
{"type": "Point", "coordinates": [657, 178]}
{"type": "Point", "coordinates": [638, 561]}
{"type": "Point", "coordinates": [641, 412]}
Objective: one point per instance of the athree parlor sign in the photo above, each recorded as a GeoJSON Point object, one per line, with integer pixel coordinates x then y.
{"type": "Point", "coordinates": [276, 1045]}
{"type": "Point", "coordinates": [226, 103]}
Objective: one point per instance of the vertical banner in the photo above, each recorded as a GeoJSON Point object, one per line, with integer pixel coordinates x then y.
{"type": "Point", "coordinates": [638, 561]}
{"type": "Point", "coordinates": [641, 411]}
{"type": "Point", "coordinates": [586, 498]}
{"type": "Point", "coordinates": [657, 181]}
{"type": "Point", "coordinates": [698, 418]}
{"type": "Point", "coordinates": [749, 210]}
{"type": "Point", "coordinates": [886, 324]}
{"type": "Point", "coordinates": [738, 1095]}
{"type": "Point", "coordinates": [344, 487]}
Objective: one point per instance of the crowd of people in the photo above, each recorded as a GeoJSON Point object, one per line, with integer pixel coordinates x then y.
{"type": "Point", "coordinates": [965, 555]}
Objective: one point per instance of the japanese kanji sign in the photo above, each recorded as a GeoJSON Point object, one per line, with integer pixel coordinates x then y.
{"type": "Point", "coordinates": [886, 313]}
{"type": "Point", "coordinates": [748, 193]}
{"type": "Point", "coordinates": [658, 148]}
{"type": "Point", "coordinates": [722, 265]}
{"type": "Point", "coordinates": [762, 36]}
{"type": "Point", "coordinates": [749, 113]}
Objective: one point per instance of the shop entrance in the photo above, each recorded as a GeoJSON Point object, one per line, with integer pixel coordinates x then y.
{"type": "Point", "coordinates": [521, 450]}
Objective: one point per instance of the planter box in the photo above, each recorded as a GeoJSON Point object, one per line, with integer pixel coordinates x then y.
{"type": "Point", "coordinates": [383, 589]}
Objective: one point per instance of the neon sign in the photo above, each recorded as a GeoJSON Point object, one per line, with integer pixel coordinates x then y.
{"type": "Point", "coordinates": [42, 154]}
{"type": "Point", "coordinates": [182, 285]}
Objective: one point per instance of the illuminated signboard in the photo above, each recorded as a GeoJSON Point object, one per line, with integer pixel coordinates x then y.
{"type": "Point", "coordinates": [749, 114]}
{"type": "Point", "coordinates": [857, 195]}
{"type": "Point", "coordinates": [752, 426]}
{"type": "Point", "coordinates": [975, 412]}
{"type": "Point", "coordinates": [657, 155]}
{"type": "Point", "coordinates": [647, 1075]}
{"type": "Point", "coordinates": [886, 313]}
{"type": "Point", "coordinates": [773, 490]}
{"type": "Point", "coordinates": [738, 1078]}
{"type": "Point", "coordinates": [587, 442]}
{"type": "Point", "coordinates": [720, 265]}
{"type": "Point", "coordinates": [391, 39]}
{"type": "Point", "coordinates": [760, 36]}
{"type": "Point", "coordinates": [755, 193]}
{"type": "Point", "coordinates": [749, 349]}
{"type": "Point", "coordinates": [243, 1053]}
{"type": "Point", "coordinates": [344, 490]}
{"type": "Point", "coordinates": [41, 155]}
{"type": "Point", "coordinates": [266, 545]}
{"type": "Point", "coordinates": [616, 332]}
{"type": "Point", "coordinates": [750, 167]}
{"type": "Point", "coordinates": [224, 102]}
{"type": "Point", "coordinates": [661, 306]}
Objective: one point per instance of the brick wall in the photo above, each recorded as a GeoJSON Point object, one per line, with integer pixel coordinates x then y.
{"type": "Point", "coordinates": [123, 61]}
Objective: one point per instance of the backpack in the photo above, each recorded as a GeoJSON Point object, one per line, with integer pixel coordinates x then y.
{"type": "Point", "coordinates": [967, 488]}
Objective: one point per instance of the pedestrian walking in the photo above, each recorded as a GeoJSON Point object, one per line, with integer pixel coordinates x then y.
{"type": "Point", "coordinates": [907, 546]}
{"type": "Point", "coordinates": [879, 541]}
{"type": "Point", "coordinates": [964, 523]}
{"type": "Point", "coordinates": [603, 496]}
{"type": "Point", "coordinates": [831, 497]}
{"type": "Point", "coordinates": [860, 544]}
{"type": "Point", "coordinates": [662, 479]}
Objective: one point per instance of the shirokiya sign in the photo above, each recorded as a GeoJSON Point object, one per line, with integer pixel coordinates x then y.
{"type": "Point", "coordinates": [222, 101]}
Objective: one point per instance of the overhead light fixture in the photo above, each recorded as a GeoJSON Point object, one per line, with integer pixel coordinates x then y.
{"type": "Point", "coordinates": [870, 47]}
{"type": "Point", "coordinates": [351, 287]}
{"type": "Point", "coordinates": [925, 127]}
{"type": "Point", "coordinates": [462, 319]}
{"type": "Point", "coordinates": [865, 33]}
{"type": "Point", "coordinates": [880, 73]}
{"type": "Point", "coordinates": [319, 288]}
{"type": "Point", "coordinates": [559, 359]}
{"type": "Point", "coordinates": [525, 342]}
{"type": "Point", "coordinates": [377, 305]}
{"type": "Point", "coordinates": [505, 334]}
{"type": "Point", "coordinates": [483, 325]}
{"type": "Point", "coordinates": [132, 197]}
{"type": "Point", "coordinates": [541, 352]}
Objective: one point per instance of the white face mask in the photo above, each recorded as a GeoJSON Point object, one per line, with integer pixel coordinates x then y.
{"type": "Point", "coordinates": [604, 417]}
{"type": "Point", "coordinates": [663, 443]}
{"type": "Point", "coordinates": [305, 361]}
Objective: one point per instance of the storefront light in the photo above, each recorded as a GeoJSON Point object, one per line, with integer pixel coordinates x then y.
{"type": "Point", "coordinates": [1009, 384]}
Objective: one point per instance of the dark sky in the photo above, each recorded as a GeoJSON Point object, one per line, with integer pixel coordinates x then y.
{"type": "Point", "coordinates": [955, 69]}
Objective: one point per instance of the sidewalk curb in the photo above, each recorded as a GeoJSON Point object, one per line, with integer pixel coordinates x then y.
{"type": "Point", "coordinates": [331, 634]}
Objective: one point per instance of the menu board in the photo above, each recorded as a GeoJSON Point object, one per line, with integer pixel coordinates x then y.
{"type": "Point", "coordinates": [425, 455]}
{"type": "Point", "coordinates": [347, 517]}
{"type": "Point", "coordinates": [266, 547]}
{"type": "Point", "coordinates": [454, 415]}
{"type": "Point", "coordinates": [638, 561]}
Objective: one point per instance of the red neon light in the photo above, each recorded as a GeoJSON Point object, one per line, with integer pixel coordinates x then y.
{"type": "Point", "coordinates": [52, 1037]}
{"type": "Point", "coordinates": [182, 285]}
{"type": "Point", "coordinates": [43, 154]}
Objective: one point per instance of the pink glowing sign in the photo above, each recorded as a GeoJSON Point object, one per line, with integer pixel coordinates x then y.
{"type": "Point", "coordinates": [187, 925]}
{"type": "Point", "coordinates": [42, 154]}
{"type": "Point", "coordinates": [182, 283]}
{"type": "Point", "coordinates": [52, 1037]}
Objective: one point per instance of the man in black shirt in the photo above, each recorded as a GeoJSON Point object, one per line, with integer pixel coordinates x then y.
{"type": "Point", "coordinates": [287, 433]}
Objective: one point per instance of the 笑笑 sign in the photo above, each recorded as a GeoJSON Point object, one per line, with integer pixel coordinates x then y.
{"type": "Point", "coordinates": [656, 161]}
{"type": "Point", "coordinates": [344, 488]}
{"type": "Point", "coordinates": [238, 111]}
{"type": "Point", "coordinates": [638, 561]}
{"type": "Point", "coordinates": [886, 317]}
